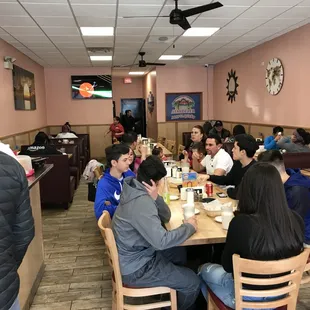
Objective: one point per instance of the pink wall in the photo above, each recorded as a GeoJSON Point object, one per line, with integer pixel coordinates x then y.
{"type": "Point", "coordinates": [254, 104]}
{"type": "Point", "coordinates": [61, 107]}
{"type": "Point", "coordinates": [11, 121]}
{"type": "Point", "coordinates": [178, 80]}
{"type": "Point", "coordinates": [151, 118]}
{"type": "Point", "coordinates": [126, 91]}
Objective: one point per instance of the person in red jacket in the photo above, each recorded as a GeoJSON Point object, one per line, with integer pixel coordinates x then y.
{"type": "Point", "coordinates": [116, 129]}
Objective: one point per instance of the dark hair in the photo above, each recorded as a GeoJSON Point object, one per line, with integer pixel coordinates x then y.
{"type": "Point", "coordinates": [199, 146]}
{"type": "Point", "coordinates": [277, 129]}
{"type": "Point", "coordinates": [130, 137]}
{"type": "Point", "coordinates": [304, 134]}
{"type": "Point", "coordinates": [117, 118]}
{"type": "Point", "coordinates": [261, 194]}
{"type": "Point", "coordinates": [200, 129]}
{"type": "Point", "coordinates": [65, 128]}
{"type": "Point", "coordinates": [114, 152]}
{"type": "Point", "coordinates": [207, 126]}
{"type": "Point", "coordinates": [247, 143]}
{"type": "Point", "coordinates": [42, 138]}
{"type": "Point", "coordinates": [216, 137]}
{"type": "Point", "coordinates": [151, 169]}
{"type": "Point", "coordinates": [126, 112]}
{"type": "Point", "coordinates": [238, 130]}
{"type": "Point", "coordinates": [273, 156]}
{"type": "Point", "coordinates": [157, 150]}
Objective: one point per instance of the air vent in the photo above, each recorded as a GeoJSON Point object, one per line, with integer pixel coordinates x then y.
{"type": "Point", "coordinates": [192, 57]}
{"type": "Point", "coordinates": [160, 39]}
{"type": "Point", "coordinates": [101, 50]}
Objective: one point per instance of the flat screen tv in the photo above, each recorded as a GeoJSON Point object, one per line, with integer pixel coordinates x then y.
{"type": "Point", "coordinates": [91, 86]}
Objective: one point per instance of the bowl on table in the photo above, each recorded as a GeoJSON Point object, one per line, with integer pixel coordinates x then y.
{"type": "Point", "coordinates": [213, 208]}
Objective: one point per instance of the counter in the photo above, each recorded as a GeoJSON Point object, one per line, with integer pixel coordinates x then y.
{"type": "Point", "coordinates": [32, 268]}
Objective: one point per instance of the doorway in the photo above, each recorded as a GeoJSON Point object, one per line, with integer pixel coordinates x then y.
{"type": "Point", "coordinates": [137, 106]}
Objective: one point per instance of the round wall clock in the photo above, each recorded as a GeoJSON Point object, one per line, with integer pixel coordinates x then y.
{"type": "Point", "coordinates": [232, 86]}
{"type": "Point", "coordinates": [274, 76]}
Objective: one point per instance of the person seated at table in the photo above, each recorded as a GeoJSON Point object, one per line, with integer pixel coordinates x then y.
{"type": "Point", "coordinates": [198, 150]}
{"type": "Point", "coordinates": [159, 152]}
{"type": "Point", "coordinates": [296, 186]}
{"type": "Point", "coordinates": [264, 228]}
{"type": "Point", "coordinates": [217, 161]}
{"type": "Point", "coordinates": [219, 130]}
{"type": "Point", "coordinates": [298, 143]}
{"type": "Point", "coordinates": [41, 146]}
{"type": "Point", "coordinates": [237, 130]}
{"type": "Point", "coordinates": [69, 126]}
{"type": "Point", "coordinates": [244, 149]}
{"type": "Point", "coordinates": [131, 140]}
{"type": "Point", "coordinates": [110, 186]}
{"type": "Point", "coordinates": [197, 135]}
{"type": "Point", "coordinates": [148, 253]}
{"type": "Point", "coordinates": [65, 133]}
{"type": "Point", "coordinates": [116, 129]}
{"type": "Point", "coordinates": [270, 143]}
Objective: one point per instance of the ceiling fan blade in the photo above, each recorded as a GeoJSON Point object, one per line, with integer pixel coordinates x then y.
{"type": "Point", "coordinates": [201, 9]}
{"type": "Point", "coordinates": [155, 64]}
{"type": "Point", "coordinates": [184, 24]}
{"type": "Point", "coordinates": [144, 16]}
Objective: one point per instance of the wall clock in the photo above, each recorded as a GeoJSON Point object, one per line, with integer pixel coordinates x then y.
{"type": "Point", "coordinates": [274, 76]}
{"type": "Point", "coordinates": [232, 86]}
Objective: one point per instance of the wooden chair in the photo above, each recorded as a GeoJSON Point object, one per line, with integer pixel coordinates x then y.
{"type": "Point", "coordinates": [171, 146]}
{"type": "Point", "coordinates": [162, 140]}
{"type": "Point", "coordinates": [181, 148]}
{"type": "Point", "coordinates": [306, 277]}
{"type": "Point", "coordinates": [295, 266]}
{"type": "Point", "coordinates": [98, 172]}
{"type": "Point", "coordinates": [119, 290]}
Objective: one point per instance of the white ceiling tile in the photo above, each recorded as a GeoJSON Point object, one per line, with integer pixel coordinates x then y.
{"type": "Point", "coordinates": [254, 36]}
{"type": "Point", "coordinates": [55, 21]}
{"type": "Point", "coordinates": [40, 50]}
{"type": "Point", "coordinates": [29, 39]}
{"type": "Point", "coordinates": [246, 23]}
{"type": "Point", "coordinates": [94, 10]}
{"type": "Point", "coordinates": [125, 31]}
{"type": "Point", "coordinates": [143, 2]}
{"type": "Point", "coordinates": [12, 9]}
{"type": "Point", "coordinates": [283, 22]}
{"type": "Point", "coordinates": [220, 39]}
{"type": "Point", "coordinates": [41, 43]}
{"type": "Point", "coordinates": [264, 12]}
{"type": "Point", "coordinates": [191, 41]}
{"type": "Point", "coordinates": [135, 22]}
{"type": "Point", "coordinates": [102, 40]}
{"type": "Point", "coordinates": [24, 21]}
{"type": "Point", "coordinates": [43, 1]}
{"type": "Point", "coordinates": [50, 9]}
{"type": "Point", "coordinates": [138, 10]}
{"type": "Point", "coordinates": [93, 1]}
{"type": "Point", "coordinates": [225, 12]}
{"type": "Point", "coordinates": [7, 1]}
{"type": "Point", "coordinates": [25, 31]}
{"type": "Point", "coordinates": [277, 3]}
{"type": "Point", "coordinates": [164, 31]}
{"type": "Point", "coordinates": [8, 38]}
{"type": "Point", "coordinates": [210, 22]}
{"type": "Point", "coordinates": [261, 31]}
{"type": "Point", "coordinates": [139, 39]}
{"type": "Point", "coordinates": [304, 3]}
{"type": "Point", "coordinates": [61, 31]}
{"type": "Point", "coordinates": [296, 12]}
{"type": "Point", "coordinates": [238, 2]}
{"type": "Point", "coordinates": [99, 44]}
{"type": "Point", "coordinates": [17, 44]}
{"type": "Point", "coordinates": [227, 31]}
{"type": "Point", "coordinates": [70, 44]}
{"type": "Point", "coordinates": [91, 21]}
{"type": "Point", "coordinates": [58, 39]}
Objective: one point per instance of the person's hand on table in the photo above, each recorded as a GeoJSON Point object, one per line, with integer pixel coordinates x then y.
{"type": "Point", "coordinates": [151, 189]}
{"type": "Point", "coordinates": [193, 221]}
{"type": "Point", "coordinates": [203, 178]}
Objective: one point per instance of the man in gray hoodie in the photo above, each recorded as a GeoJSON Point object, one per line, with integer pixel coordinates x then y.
{"type": "Point", "coordinates": [147, 251]}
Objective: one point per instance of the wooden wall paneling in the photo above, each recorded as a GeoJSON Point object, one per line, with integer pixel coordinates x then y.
{"type": "Point", "coordinates": [79, 129]}
{"type": "Point", "coordinates": [54, 130]}
{"type": "Point", "coordinates": [98, 142]}
{"type": "Point", "coordinates": [167, 130]}
{"type": "Point", "coordinates": [255, 130]}
{"type": "Point", "coordinates": [22, 139]}
{"type": "Point", "coordinates": [228, 126]}
{"type": "Point", "coordinates": [9, 140]}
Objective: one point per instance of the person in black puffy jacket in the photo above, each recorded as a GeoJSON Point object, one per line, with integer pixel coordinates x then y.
{"type": "Point", "coordinates": [16, 228]}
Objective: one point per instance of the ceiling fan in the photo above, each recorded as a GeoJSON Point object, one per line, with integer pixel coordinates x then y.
{"type": "Point", "coordinates": [142, 63]}
{"type": "Point", "coordinates": [178, 17]}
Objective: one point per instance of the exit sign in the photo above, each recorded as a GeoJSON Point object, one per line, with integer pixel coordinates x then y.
{"type": "Point", "coordinates": [127, 80]}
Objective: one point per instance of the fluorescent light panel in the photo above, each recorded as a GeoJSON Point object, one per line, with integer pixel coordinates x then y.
{"type": "Point", "coordinates": [100, 58]}
{"type": "Point", "coordinates": [136, 73]}
{"type": "Point", "coordinates": [170, 57]}
{"type": "Point", "coordinates": [200, 31]}
{"type": "Point", "coordinates": [97, 31]}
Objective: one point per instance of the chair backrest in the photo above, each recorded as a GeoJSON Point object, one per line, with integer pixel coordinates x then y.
{"type": "Point", "coordinates": [228, 146]}
{"type": "Point", "coordinates": [98, 172]}
{"type": "Point", "coordinates": [297, 160]}
{"type": "Point", "coordinates": [181, 148]}
{"type": "Point", "coordinates": [104, 224]}
{"type": "Point", "coordinates": [293, 269]}
{"type": "Point", "coordinates": [161, 140]}
{"type": "Point", "coordinates": [171, 146]}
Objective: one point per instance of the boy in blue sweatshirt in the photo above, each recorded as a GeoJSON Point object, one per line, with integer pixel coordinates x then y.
{"type": "Point", "coordinates": [270, 143]}
{"type": "Point", "coordinates": [110, 186]}
{"type": "Point", "coordinates": [296, 186]}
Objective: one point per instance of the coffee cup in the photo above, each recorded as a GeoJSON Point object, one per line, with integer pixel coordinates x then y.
{"type": "Point", "coordinates": [188, 210]}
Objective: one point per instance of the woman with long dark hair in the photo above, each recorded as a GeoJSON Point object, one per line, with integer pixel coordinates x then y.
{"type": "Point", "coordinates": [264, 228]}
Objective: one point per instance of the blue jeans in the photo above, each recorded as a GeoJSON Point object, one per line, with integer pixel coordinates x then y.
{"type": "Point", "coordinates": [15, 305]}
{"type": "Point", "coordinates": [222, 285]}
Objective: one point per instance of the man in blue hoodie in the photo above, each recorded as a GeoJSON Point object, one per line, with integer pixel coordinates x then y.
{"type": "Point", "coordinates": [110, 186]}
{"type": "Point", "coordinates": [270, 142]}
{"type": "Point", "coordinates": [297, 188]}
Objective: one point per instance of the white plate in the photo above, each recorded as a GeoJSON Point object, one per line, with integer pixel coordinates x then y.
{"type": "Point", "coordinates": [197, 211]}
{"type": "Point", "coordinates": [218, 219]}
{"type": "Point", "coordinates": [172, 197]}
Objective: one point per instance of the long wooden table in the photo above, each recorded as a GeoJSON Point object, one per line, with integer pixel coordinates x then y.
{"type": "Point", "coordinates": [209, 231]}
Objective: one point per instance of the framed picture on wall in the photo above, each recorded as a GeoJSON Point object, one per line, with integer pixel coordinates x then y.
{"type": "Point", "coordinates": [183, 107]}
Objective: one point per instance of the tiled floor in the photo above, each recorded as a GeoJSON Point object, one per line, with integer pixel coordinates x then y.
{"type": "Point", "coordinates": [77, 274]}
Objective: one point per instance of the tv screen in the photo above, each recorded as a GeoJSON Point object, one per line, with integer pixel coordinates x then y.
{"type": "Point", "coordinates": [91, 86]}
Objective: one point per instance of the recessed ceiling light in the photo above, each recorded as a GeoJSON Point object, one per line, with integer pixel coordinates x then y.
{"type": "Point", "coordinates": [136, 73]}
{"type": "Point", "coordinates": [102, 58]}
{"type": "Point", "coordinates": [170, 57]}
{"type": "Point", "coordinates": [97, 31]}
{"type": "Point", "coordinates": [200, 31]}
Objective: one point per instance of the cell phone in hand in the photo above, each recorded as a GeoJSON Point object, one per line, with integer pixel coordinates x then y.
{"type": "Point", "coordinates": [221, 195]}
